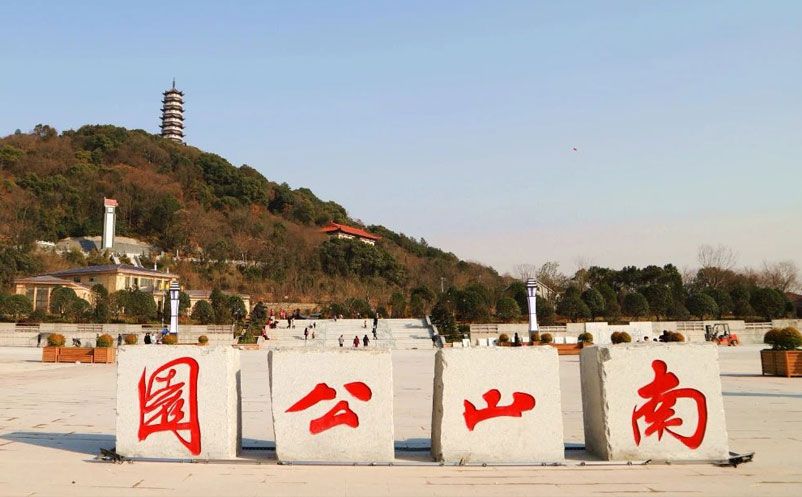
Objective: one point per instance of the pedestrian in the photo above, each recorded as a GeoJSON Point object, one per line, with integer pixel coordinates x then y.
{"type": "Point", "coordinates": [313, 334]}
{"type": "Point", "coordinates": [434, 340]}
{"type": "Point", "coordinates": [39, 338]}
{"type": "Point", "coordinates": [341, 340]}
{"type": "Point", "coordinates": [376, 320]}
{"type": "Point", "coordinates": [517, 340]}
{"type": "Point", "coordinates": [306, 333]}
{"type": "Point", "coordinates": [148, 339]}
{"type": "Point", "coordinates": [365, 323]}
{"type": "Point", "coordinates": [375, 336]}
{"type": "Point", "coordinates": [365, 340]}
{"type": "Point", "coordinates": [119, 339]}
{"type": "Point", "coordinates": [356, 342]}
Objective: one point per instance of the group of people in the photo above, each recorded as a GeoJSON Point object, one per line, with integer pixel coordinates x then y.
{"type": "Point", "coordinates": [365, 340]}
{"type": "Point", "coordinates": [273, 319]}
{"type": "Point", "coordinates": [307, 329]}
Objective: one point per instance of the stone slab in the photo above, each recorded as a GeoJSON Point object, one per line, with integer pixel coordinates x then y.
{"type": "Point", "coordinates": [162, 378]}
{"type": "Point", "coordinates": [624, 421]}
{"type": "Point", "coordinates": [352, 418]}
{"type": "Point", "coordinates": [488, 379]}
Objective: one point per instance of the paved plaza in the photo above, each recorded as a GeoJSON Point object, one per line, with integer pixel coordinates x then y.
{"type": "Point", "coordinates": [54, 418]}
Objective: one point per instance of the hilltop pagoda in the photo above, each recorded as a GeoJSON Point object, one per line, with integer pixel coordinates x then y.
{"type": "Point", "coordinates": [173, 115]}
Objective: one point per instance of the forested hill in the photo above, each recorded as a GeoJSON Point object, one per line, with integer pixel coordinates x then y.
{"type": "Point", "coordinates": [199, 206]}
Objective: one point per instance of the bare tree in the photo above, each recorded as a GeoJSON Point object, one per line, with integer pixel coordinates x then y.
{"type": "Point", "coordinates": [721, 257]}
{"type": "Point", "coordinates": [549, 274]}
{"type": "Point", "coordinates": [783, 275]}
{"type": "Point", "coordinates": [525, 271]}
{"type": "Point", "coordinates": [581, 275]}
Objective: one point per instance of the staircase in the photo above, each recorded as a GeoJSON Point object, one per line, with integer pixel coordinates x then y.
{"type": "Point", "coordinates": [404, 334]}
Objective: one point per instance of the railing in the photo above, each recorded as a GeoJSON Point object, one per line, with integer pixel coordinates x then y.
{"type": "Point", "coordinates": [552, 329]}
{"type": "Point", "coordinates": [757, 326]}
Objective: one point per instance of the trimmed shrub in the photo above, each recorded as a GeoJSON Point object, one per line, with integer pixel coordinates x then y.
{"type": "Point", "coordinates": [170, 339]}
{"type": "Point", "coordinates": [104, 341]}
{"type": "Point", "coordinates": [503, 338]}
{"type": "Point", "coordinates": [546, 338]}
{"type": "Point", "coordinates": [675, 336]}
{"type": "Point", "coordinates": [203, 340]}
{"type": "Point", "coordinates": [56, 340]}
{"type": "Point", "coordinates": [585, 337]}
{"type": "Point", "coordinates": [771, 336]}
{"type": "Point", "coordinates": [535, 337]}
{"type": "Point", "coordinates": [130, 339]}
{"type": "Point", "coordinates": [620, 337]}
{"type": "Point", "coordinates": [785, 339]}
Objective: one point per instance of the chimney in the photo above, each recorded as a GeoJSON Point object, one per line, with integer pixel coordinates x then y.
{"type": "Point", "coordinates": [109, 220]}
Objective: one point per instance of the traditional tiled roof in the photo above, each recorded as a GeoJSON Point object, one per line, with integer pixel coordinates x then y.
{"type": "Point", "coordinates": [349, 230]}
{"type": "Point", "coordinates": [46, 279]}
{"type": "Point", "coordinates": [112, 268]}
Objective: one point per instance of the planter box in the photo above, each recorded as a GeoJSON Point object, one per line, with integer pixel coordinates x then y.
{"type": "Point", "coordinates": [104, 355]}
{"type": "Point", "coordinates": [786, 363]}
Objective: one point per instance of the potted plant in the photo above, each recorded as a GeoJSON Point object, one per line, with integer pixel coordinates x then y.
{"type": "Point", "coordinates": [546, 338]}
{"type": "Point", "coordinates": [170, 339]}
{"type": "Point", "coordinates": [54, 342]}
{"type": "Point", "coordinates": [203, 340]}
{"type": "Point", "coordinates": [784, 357]}
{"type": "Point", "coordinates": [104, 351]}
{"type": "Point", "coordinates": [130, 339]}
{"type": "Point", "coordinates": [504, 340]}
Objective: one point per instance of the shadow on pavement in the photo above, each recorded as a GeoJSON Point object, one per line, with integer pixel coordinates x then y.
{"type": "Point", "coordinates": [82, 443]}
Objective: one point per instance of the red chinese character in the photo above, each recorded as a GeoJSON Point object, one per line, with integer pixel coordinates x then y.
{"type": "Point", "coordinates": [658, 412]}
{"type": "Point", "coordinates": [340, 414]}
{"type": "Point", "coordinates": [162, 399]}
{"type": "Point", "coordinates": [520, 402]}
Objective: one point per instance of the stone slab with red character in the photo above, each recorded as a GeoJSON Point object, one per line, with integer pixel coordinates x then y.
{"type": "Point", "coordinates": [178, 402]}
{"type": "Point", "coordinates": [332, 406]}
{"type": "Point", "coordinates": [497, 405]}
{"type": "Point", "coordinates": [653, 401]}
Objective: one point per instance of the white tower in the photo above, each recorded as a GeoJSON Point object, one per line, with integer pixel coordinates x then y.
{"type": "Point", "coordinates": [109, 223]}
{"type": "Point", "coordinates": [173, 115]}
{"type": "Point", "coordinates": [531, 299]}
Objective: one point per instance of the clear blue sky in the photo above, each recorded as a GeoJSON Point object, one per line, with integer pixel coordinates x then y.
{"type": "Point", "coordinates": [455, 121]}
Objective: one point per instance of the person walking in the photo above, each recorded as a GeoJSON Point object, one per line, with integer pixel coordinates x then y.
{"type": "Point", "coordinates": [375, 335]}
{"type": "Point", "coordinates": [516, 341]}
{"type": "Point", "coordinates": [306, 334]}
{"type": "Point", "coordinates": [341, 340]}
{"type": "Point", "coordinates": [365, 340]}
{"type": "Point", "coordinates": [148, 339]}
{"type": "Point", "coordinates": [313, 334]}
{"type": "Point", "coordinates": [119, 339]}
{"type": "Point", "coordinates": [356, 342]}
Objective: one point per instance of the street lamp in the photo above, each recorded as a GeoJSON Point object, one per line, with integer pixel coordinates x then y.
{"type": "Point", "coordinates": [175, 297]}
{"type": "Point", "coordinates": [531, 299]}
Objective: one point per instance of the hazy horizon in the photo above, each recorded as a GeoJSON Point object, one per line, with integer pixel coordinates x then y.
{"type": "Point", "coordinates": [457, 122]}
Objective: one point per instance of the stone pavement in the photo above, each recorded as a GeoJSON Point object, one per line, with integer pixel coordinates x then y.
{"type": "Point", "coordinates": [54, 418]}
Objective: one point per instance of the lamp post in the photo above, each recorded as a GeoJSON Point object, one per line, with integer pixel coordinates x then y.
{"type": "Point", "coordinates": [175, 297]}
{"type": "Point", "coordinates": [531, 300]}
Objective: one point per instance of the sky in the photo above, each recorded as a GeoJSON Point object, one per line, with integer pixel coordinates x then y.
{"type": "Point", "coordinates": [456, 121]}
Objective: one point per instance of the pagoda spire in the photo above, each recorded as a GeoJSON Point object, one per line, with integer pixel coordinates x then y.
{"type": "Point", "coordinates": [173, 114]}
